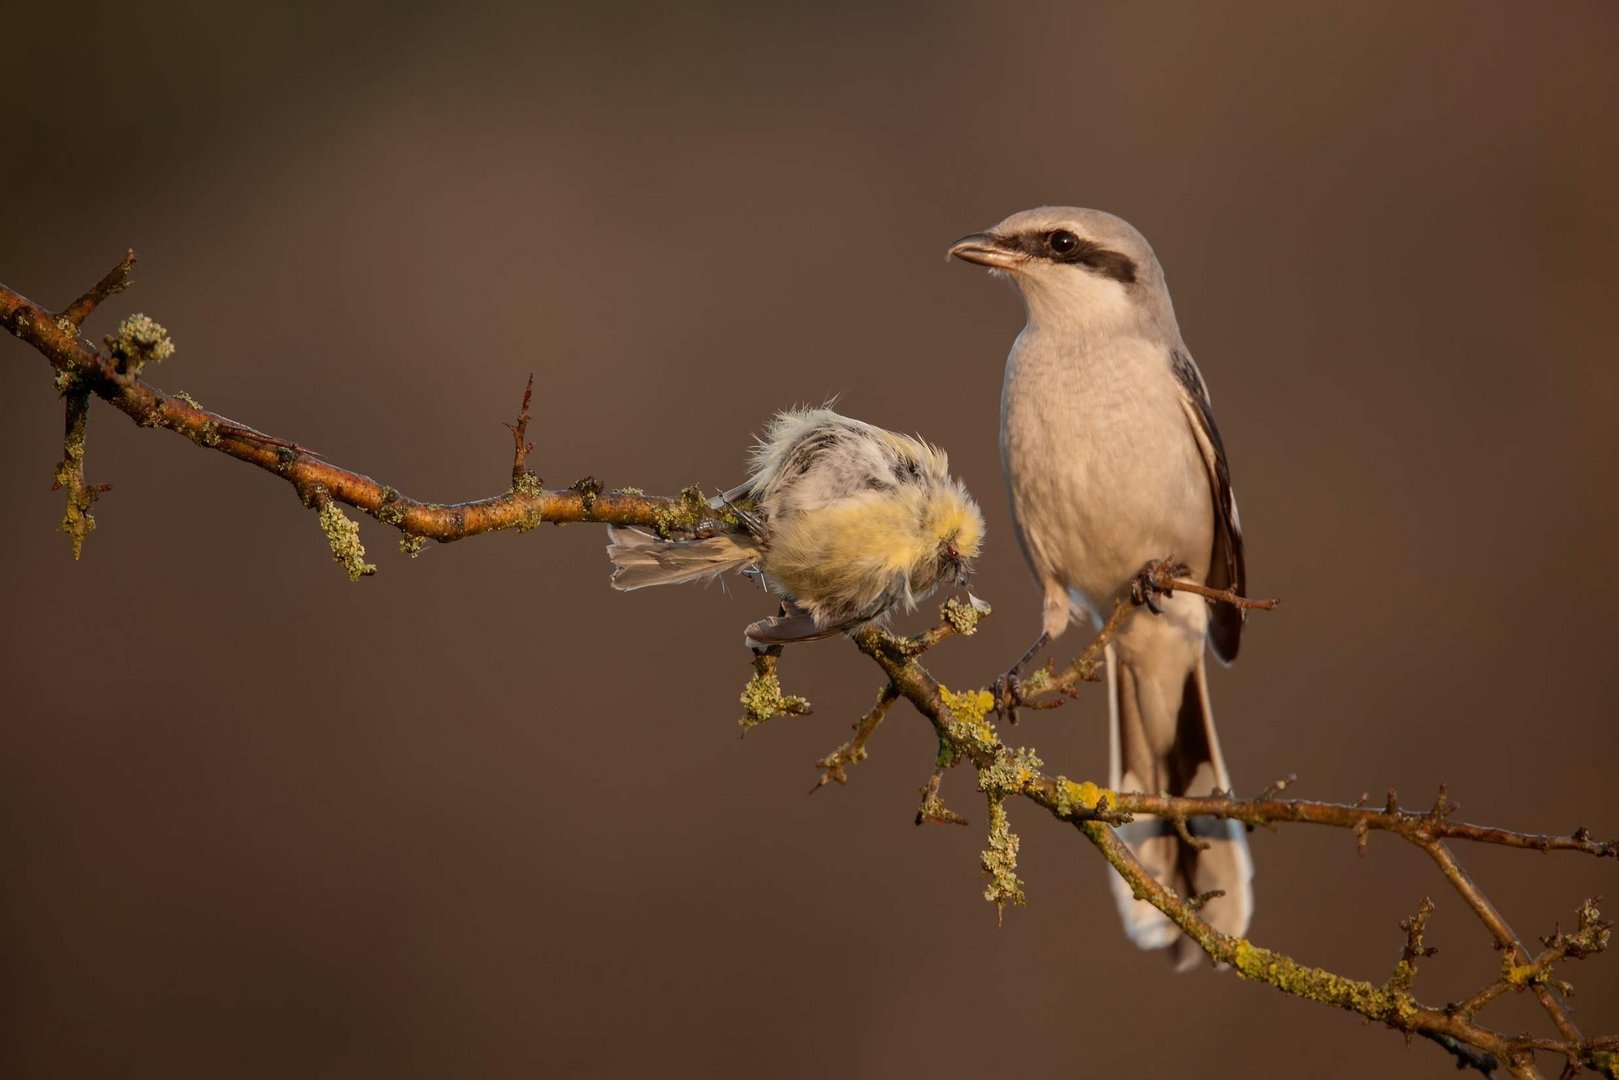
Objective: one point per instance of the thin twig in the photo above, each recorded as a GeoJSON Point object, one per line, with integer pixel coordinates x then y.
{"type": "Point", "coordinates": [933, 808]}
{"type": "Point", "coordinates": [116, 281]}
{"type": "Point", "coordinates": [965, 732]}
{"type": "Point", "coordinates": [77, 521]}
{"type": "Point", "coordinates": [854, 750]}
{"type": "Point", "coordinates": [1467, 1057]}
{"type": "Point", "coordinates": [1414, 826]}
{"type": "Point", "coordinates": [522, 507]}
{"type": "Point", "coordinates": [1224, 596]}
{"type": "Point", "coordinates": [521, 447]}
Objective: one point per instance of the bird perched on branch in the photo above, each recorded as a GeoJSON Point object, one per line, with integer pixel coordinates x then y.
{"type": "Point", "coordinates": [846, 522]}
{"type": "Point", "coordinates": [1112, 460]}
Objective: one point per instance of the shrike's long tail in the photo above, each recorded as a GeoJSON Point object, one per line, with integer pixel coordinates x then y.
{"type": "Point", "coordinates": [1164, 742]}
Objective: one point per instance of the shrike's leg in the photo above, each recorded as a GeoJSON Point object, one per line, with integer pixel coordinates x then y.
{"type": "Point", "coordinates": [1006, 688]}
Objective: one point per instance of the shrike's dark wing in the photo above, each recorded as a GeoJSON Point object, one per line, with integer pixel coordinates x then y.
{"type": "Point", "coordinates": [1226, 569]}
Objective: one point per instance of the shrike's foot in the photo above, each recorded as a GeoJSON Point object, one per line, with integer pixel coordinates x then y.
{"type": "Point", "coordinates": [1153, 580]}
{"type": "Point", "coordinates": [1007, 690]}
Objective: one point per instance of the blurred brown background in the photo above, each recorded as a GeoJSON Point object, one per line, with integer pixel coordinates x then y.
{"type": "Point", "coordinates": [481, 816]}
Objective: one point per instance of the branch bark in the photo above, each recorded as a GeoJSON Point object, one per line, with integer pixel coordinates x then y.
{"type": "Point", "coordinates": [522, 506]}
{"type": "Point", "coordinates": [961, 720]}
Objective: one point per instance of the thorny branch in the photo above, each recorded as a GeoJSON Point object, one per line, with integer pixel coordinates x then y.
{"type": "Point", "coordinates": [116, 379]}
{"type": "Point", "coordinates": [960, 719]}
{"type": "Point", "coordinates": [77, 521]}
{"type": "Point", "coordinates": [1160, 577]}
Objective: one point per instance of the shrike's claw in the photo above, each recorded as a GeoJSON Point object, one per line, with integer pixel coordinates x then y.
{"type": "Point", "coordinates": [1008, 693]}
{"type": "Point", "coordinates": [1008, 690]}
{"type": "Point", "coordinates": [1153, 580]}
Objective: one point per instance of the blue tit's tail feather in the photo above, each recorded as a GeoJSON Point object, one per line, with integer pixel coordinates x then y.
{"type": "Point", "coordinates": [641, 559]}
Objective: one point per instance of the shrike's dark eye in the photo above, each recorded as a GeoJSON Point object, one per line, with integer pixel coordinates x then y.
{"type": "Point", "coordinates": [1062, 241]}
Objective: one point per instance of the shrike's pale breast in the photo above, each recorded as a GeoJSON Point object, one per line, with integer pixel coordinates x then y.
{"type": "Point", "coordinates": [1103, 471]}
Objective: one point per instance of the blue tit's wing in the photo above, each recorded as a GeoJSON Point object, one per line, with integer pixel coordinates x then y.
{"type": "Point", "coordinates": [794, 624]}
{"type": "Point", "coordinates": [787, 630]}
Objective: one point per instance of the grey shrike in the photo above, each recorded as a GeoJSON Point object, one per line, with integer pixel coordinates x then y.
{"type": "Point", "coordinates": [1112, 459]}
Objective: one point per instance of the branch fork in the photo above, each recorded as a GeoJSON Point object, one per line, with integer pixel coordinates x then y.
{"type": "Point", "coordinates": [961, 720]}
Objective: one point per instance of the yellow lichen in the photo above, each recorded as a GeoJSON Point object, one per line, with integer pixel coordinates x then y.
{"type": "Point", "coordinates": [1009, 772]}
{"type": "Point", "coordinates": [412, 545]}
{"type": "Point", "coordinates": [763, 700]}
{"type": "Point", "coordinates": [77, 521]}
{"type": "Point", "coordinates": [966, 713]}
{"type": "Point", "coordinates": [1387, 1003]}
{"type": "Point", "coordinates": [343, 534]}
{"type": "Point", "coordinates": [390, 512]}
{"type": "Point", "coordinates": [968, 706]}
{"type": "Point", "coordinates": [963, 616]}
{"type": "Point", "coordinates": [1083, 795]}
{"type": "Point", "coordinates": [999, 861]}
{"type": "Point", "coordinates": [1037, 681]}
{"type": "Point", "coordinates": [1517, 974]}
{"type": "Point", "coordinates": [688, 511]}
{"type": "Point", "coordinates": [138, 340]}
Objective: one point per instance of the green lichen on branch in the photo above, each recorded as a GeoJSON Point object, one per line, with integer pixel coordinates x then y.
{"type": "Point", "coordinates": [933, 808]}
{"type": "Point", "coordinates": [343, 534]}
{"type": "Point", "coordinates": [687, 513]}
{"type": "Point", "coordinates": [762, 698]}
{"type": "Point", "coordinates": [412, 545]}
{"type": "Point", "coordinates": [77, 521]}
{"type": "Point", "coordinates": [528, 488]}
{"type": "Point", "coordinates": [137, 340]}
{"type": "Point", "coordinates": [1405, 970]}
{"type": "Point", "coordinates": [966, 719]}
{"type": "Point", "coordinates": [962, 615]}
{"type": "Point", "coordinates": [1391, 1002]}
{"type": "Point", "coordinates": [999, 861]}
{"type": "Point", "coordinates": [390, 512]}
{"type": "Point", "coordinates": [1589, 938]}
{"type": "Point", "coordinates": [589, 490]}
{"type": "Point", "coordinates": [1010, 772]}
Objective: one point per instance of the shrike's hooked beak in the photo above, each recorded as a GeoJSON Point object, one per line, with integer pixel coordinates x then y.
{"type": "Point", "coordinates": [987, 249]}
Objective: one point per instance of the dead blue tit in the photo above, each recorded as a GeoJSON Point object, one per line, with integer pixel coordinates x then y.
{"type": "Point", "coordinates": [846, 522]}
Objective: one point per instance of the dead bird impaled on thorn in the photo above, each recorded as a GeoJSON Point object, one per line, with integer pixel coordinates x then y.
{"type": "Point", "coordinates": [845, 521]}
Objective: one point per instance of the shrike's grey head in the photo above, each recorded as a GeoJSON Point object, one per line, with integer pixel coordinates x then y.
{"type": "Point", "coordinates": [1074, 267]}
